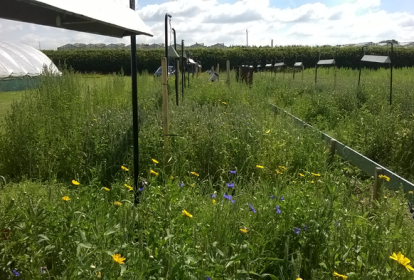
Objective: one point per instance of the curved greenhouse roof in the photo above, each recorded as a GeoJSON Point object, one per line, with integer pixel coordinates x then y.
{"type": "Point", "coordinates": [19, 60]}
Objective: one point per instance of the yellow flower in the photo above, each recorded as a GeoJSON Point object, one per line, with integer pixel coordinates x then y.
{"type": "Point", "coordinates": [171, 178]}
{"type": "Point", "coordinates": [185, 213]}
{"type": "Point", "coordinates": [316, 174]}
{"type": "Point", "coordinates": [339, 275]}
{"type": "Point", "coordinates": [118, 258]}
{"type": "Point", "coordinates": [299, 278]}
{"type": "Point", "coordinates": [301, 175]}
{"type": "Point", "coordinates": [105, 188]}
{"type": "Point", "coordinates": [243, 230]}
{"type": "Point", "coordinates": [76, 183]}
{"type": "Point", "coordinates": [66, 198]}
{"type": "Point", "coordinates": [312, 182]}
{"type": "Point", "coordinates": [224, 103]}
{"type": "Point", "coordinates": [268, 131]}
{"type": "Point", "coordinates": [411, 192]}
{"type": "Point", "coordinates": [154, 161]}
{"type": "Point", "coordinates": [153, 172]}
{"type": "Point", "coordinates": [260, 166]}
{"type": "Point", "coordinates": [195, 174]}
{"type": "Point", "coordinates": [95, 120]}
{"type": "Point", "coordinates": [384, 177]}
{"type": "Point", "coordinates": [117, 203]}
{"type": "Point", "coordinates": [99, 275]}
{"type": "Point", "coordinates": [124, 168]}
{"type": "Point", "coordinates": [214, 201]}
{"type": "Point", "coordinates": [281, 167]}
{"type": "Point", "coordinates": [402, 260]}
{"type": "Point", "coordinates": [278, 172]}
{"type": "Point", "coordinates": [385, 196]}
{"type": "Point", "coordinates": [128, 187]}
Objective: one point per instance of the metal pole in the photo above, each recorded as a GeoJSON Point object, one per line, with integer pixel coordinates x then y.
{"type": "Point", "coordinates": [391, 58]}
{"type": "Point", "coordinates": [166, 36]}
{"type": "Point", "coordinates": [182, 73]}
{"type": "Point", "coordinates": [134, 109]}
{"type": "Point", "coordinates": [359, 77]}
{"type": "Point", "coordinates": [176, 69]}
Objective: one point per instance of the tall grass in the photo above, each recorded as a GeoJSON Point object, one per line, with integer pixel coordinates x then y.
{"type": "Point", "coordinates": [327, 221]}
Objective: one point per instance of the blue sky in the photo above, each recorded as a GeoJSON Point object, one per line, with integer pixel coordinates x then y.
{"type": "Point", "coordinates": [286, 22]}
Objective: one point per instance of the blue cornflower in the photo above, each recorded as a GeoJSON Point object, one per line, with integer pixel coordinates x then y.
{"type": "Point", "coordinates": [296, 230]}
{"type": "Point", "coordinates": [230, 185]}
{"type": "Point", "coordinates": [278, 210]}
{"type": "Point", "coordinates": [272, 196]}
{"type": "Point", "coordinates": [233, 171]}
{"type": "Point", "coordinates": [337, 224]}
{"type": "Point", "coordinates": [212, 195]}
{"type": "Point", "coordinates": [305, 228]}
{"type": "Point", "coordinates": [252, 208]}
{"type": "Point", "coordinates": [141, 189]}
{"type": "Point", "coordinates": [208, 278]}
{"type": "Point", "coordinates": [282, 198]}
{"type": "Point", "coordinates": [229, 197]}
{"type": "Point", "coordinates": [181, 184]}
{"type": "Point", "coordinates": [232, 201]}
{"type": "Point", "coordinates": [15, 272]}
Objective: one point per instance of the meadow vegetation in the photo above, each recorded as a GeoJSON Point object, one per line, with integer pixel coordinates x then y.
{"type": "Point", "coordinates": [241, 194]}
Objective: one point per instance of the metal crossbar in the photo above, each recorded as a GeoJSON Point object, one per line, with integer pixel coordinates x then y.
{"type": "Point", "coordinates": [362, 162]}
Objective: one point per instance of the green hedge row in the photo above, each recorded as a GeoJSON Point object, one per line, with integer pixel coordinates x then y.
{"type": "Point", "coordinates": [109, 61]}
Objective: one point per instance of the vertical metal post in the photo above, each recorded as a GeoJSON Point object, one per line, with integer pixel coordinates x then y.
{"type": "Point", "coordinates": [360, 65]}
{"type": "Point", "coordinates": [182, 68]}
{"type": "Point", "coordinates": [176, 68]}
{"type": "Point", "coordinates": [316, 72]}
{"type": "Point", "coordinates": [391, 58]}
{"type": "Point", "coordinates": [134, 109]}
{"type": "Point", "coordinates": [166, 36]}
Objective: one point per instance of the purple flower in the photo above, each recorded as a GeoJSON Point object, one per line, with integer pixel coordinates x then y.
{"type": "Point", "coordinates": [282, 198]}
{"type": "Point", "coordinates": [233, 171]}
{"type": "Point", "coordinates": [247, 116]}
{"type": "Point", "coordinates": [230, 185]}
{"type": "Point", "coordinates": [232, 201]}
{"type": "Point", "coordinates": [181, 184]}
{"type": "Point", "coordinates": [15, 272]}
{"type": "Point", "coordinates": [272, 196]}
{"type": "Point", "coordinates": [252, 209]}
{"type": "Point", "coordinates": [278, 210]}
{"type": "Point", "coordinates": [212, 195]}
{"type": "Point", "coordinates": [229, 197]}
{"type": "Point", "coordinates": [337, 224]}
{"type": "Point", "coordinates": [208, 278]}
{"type": "Point", "coordinates": [296, 230]}
{"type": "Point", "coordinates": [141, 189]}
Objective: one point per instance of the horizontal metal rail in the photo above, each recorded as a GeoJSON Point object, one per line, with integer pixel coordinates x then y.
{"type": "Point", "coordinates": [355, 158]}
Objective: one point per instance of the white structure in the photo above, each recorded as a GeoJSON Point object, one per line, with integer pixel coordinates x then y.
{"type": "Point", "coordinates": [19, 60]}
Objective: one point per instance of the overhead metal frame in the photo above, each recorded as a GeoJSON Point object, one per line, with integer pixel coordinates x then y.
{"type": "Point", "coordinates": [79, 15]}
{"type": "Point", "coordinates": [382, 59]}
{"type": "Point", "coordinates": [326, 62]}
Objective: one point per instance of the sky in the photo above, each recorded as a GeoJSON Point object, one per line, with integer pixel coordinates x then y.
{"type": "Point", "coordinates": [286, 22]}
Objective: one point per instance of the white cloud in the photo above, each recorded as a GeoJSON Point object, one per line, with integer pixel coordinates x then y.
{"type": "Point", "coordinates": [210, 22]}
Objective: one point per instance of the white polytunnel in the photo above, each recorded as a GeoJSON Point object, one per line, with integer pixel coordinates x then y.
{"type": "Point", "coordinates": [19, 60]}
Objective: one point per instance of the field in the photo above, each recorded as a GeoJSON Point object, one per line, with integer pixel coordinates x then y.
{"type": "Point", "coordinates": [242, 193]}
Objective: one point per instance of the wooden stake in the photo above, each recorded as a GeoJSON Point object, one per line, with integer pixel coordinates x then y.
{"type": "Point", "coordinates": [165, 107]}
